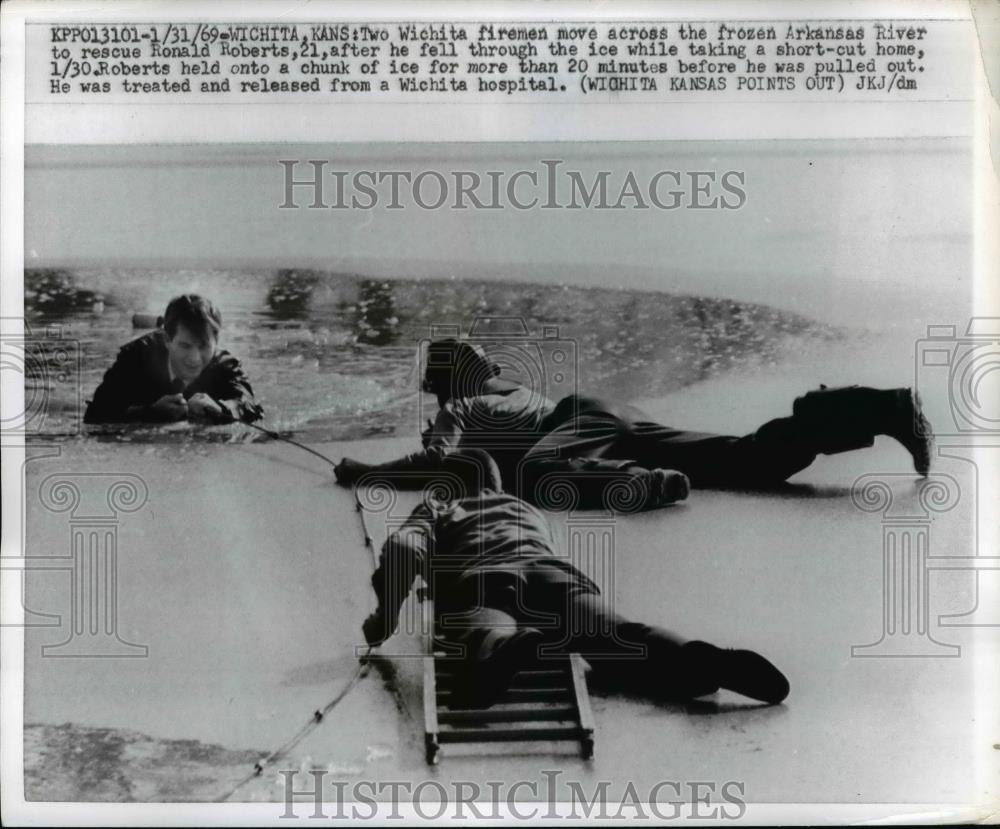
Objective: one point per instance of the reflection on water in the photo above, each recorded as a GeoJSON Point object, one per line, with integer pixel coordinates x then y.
{"type": "Point", "coordinates": [54, 292]}
{"type": "Point", "coordinates": [333, 355]}
{"type": "Point", "coordinates": [375, 319]}
{"type": "Point", "coordinates": [290, 292]}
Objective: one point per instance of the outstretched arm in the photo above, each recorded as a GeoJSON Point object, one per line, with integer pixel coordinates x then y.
{"type": "Point", "coordinates": [441, 440]}
{"type": "Point", "coordinates": [405, 555]}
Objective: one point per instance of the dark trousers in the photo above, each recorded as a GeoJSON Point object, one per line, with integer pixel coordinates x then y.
{"type": "Point", "coordinates": [623, 654]}
{"type": "Point", "coordinates": [597, 448]}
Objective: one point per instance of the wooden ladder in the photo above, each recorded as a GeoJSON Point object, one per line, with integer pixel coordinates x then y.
{"type": "Point", "coordinates": [548, 703]}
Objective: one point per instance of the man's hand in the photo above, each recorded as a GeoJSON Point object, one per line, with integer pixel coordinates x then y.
{"type": "Point", "coordinates": [170, 407]}
{"type": "Point", "coordinates": [348, 471]}
{"type": "Point", "coordinates": [203, 408]}
{"type": "Point", "coordinates": [374, 629]}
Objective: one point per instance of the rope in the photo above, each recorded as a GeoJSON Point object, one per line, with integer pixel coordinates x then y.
{"type": "Point", "coordinates": [364, 665]}
{"type": "Point", "coordinates": [359, 508]}
{"type": "Point", "coordinates": [315, 720]}
{"type": "Point", "coordinates": [277, 436]}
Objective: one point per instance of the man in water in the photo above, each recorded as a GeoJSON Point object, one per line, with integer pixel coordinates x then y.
{"type": "Point", "coordinates": [176, 373]}
{"type": "Point", "coordinates": [594, 444]}
{"type": "Point", "coordinates": [505, 600]}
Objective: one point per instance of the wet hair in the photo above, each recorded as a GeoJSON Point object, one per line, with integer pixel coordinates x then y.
{"type": "Point", "coordinates": [196, 314]}
{"type": "Point", "coordinates": [457, 365]}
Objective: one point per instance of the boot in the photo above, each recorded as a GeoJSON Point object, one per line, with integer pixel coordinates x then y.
{"type": "Point", "coordinates": [742, 671]}
{"type": "Point", "coordinates": [485, 680]}
{"type": "Point", "coordinates": [841, 419]}
{"type": "Point", "coordinates": [666, 486]}
{"type": "Point", "coordinates": [649, 489]}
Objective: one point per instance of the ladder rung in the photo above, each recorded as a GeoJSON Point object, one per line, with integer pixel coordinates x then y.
{"type": "Point", "coordinates": [509, 735]}
{"type": "Point", "coordinates": [580, 692]}
{"type": "Point", "coordinates": [523, 679]}
{"type": "Point", "coordinates": [487, 715]}
{"type": "Point", "coordinates": [546, 679]}
{"type": "Point", "coordinates": [557, 688]}
{"type": "Point", "coordinates": [444, 672]}
{"type": "Point", "coordinates": [525, 694]}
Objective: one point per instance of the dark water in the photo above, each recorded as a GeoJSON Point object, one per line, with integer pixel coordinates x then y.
{"type": "Point", "coordinates": [69, 762]}
{"type": "Point", "coordinates": [333, 355]}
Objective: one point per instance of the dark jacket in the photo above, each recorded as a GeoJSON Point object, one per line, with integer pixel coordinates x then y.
{"type": "Point", "coordinates": [481, 543]}
{"type": "Point", "coordinates": [140, 377]}
{"type": "Point", "coordinates": [502, 417]}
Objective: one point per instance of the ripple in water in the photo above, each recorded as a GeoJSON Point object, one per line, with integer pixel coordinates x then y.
{"type": "Point", "coordinates": [333, 355]}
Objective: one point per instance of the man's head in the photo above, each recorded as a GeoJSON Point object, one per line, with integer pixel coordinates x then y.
{"type": "Point", "coordinates": [192, 324]}
{"type": "Point", "coordinates": [455, 368]}
{"type": "Point", "coordinates": [468, 473]}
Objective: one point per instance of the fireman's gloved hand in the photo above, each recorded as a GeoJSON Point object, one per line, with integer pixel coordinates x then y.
{"type": "Point", "coordinates": [348, 471]}
{"type": "Point", "coordinates": [374, 629]}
